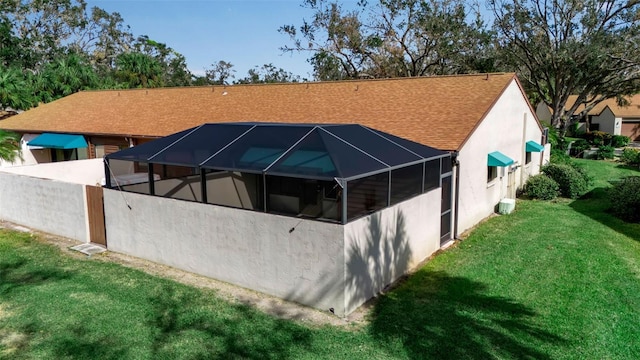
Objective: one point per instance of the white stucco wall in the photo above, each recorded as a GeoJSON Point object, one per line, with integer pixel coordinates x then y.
{"type": "Point", "coordinates": [506, 128]}
{"type": "Point", "coordinates": [381, 247]}
{"type": "Point", "coordinates": [318, 264]}
{"type": "Point", "coordinates": [246, 248]}
{"type": "Point", "coordinates": [87, 172]}
{"type": "Point", "coordinates": [51, 206]}
{"type": "Point", "coordinates": [608, 122]}
{"type": "Point", "coordinates": [29, 156]}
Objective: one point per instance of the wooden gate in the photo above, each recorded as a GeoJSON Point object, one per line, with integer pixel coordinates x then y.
{"type": "Point", "coordinates": [95, 215]}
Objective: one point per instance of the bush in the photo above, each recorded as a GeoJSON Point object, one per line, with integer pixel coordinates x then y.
{"type": "Point", "coordinates": [579, 146]}
{"type": "Point", "coordinates": [542, 187]}
{"type": "Point", "coordinates": [630, 156]}
{"type": "Point", "coordinates": [575, 130]}
{"type": "Point", "coordinates": [598, 138]}
{"type": "Point", "coordinates": [625, 199]}
{"type": "Point", "coordinates": [618, 141]}
{"type": "Point", "coordinates": [559, 157]}
{"type": "Point", "coordinates": [573, 182]}
{"type": "Point", "coordinates": [605, 152]}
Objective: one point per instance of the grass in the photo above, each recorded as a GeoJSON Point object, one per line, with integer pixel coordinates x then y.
{"type": "Point", "coordinates": [553, 280]}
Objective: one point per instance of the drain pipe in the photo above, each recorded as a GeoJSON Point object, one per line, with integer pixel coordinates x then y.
{"type": "Point", "coordinates": [456, 165]}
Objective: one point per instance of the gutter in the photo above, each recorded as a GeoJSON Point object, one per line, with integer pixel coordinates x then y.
{"type": "Point", "coordinates": [456, 164]}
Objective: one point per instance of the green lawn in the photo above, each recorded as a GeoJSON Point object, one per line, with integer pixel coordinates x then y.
{"type": "Point", "coordinates": [555, 280]}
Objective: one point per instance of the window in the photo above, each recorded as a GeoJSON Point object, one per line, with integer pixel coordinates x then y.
{"type": "Point", "coordinates": [492, 173]}
{"type": "Point", "coordinates": [63, 155]}
{"type": "Point", "coordinates": [527, 158]}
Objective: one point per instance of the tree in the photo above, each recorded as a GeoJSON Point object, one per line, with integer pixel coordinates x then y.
{"type": "Point", "coordinates": [16, 92]}
{"type": "Point", "coordinates": [219, 73]}
{"type": "Point", "coordinates": [65, 75]}
{"type": "Point", "coordinates": [9, 146]}
{"type": "Point", "coordinates": [102, 36]}
{"type": "Point", "coordinates": [11, 51]}
{"type": "Point", "coordinates": [588, 48]}
{"type": "Point", "coordinates": [44, 27]}
{"type": "Point", "coordinates": [138, 70]}
{"type": "Point", "coordinates": [399, 38]}
{"type": "Point", "coordinates": [268, 73]}
{"type": "Point", "coordinates": [174, 64]}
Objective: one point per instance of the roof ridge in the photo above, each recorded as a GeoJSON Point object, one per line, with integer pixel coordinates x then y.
{"type": "Point", "coordinates": [302, 83]}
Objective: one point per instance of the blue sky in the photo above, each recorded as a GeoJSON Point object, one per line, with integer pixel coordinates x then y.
{"type": "Point", "coordinates": [243, 32]}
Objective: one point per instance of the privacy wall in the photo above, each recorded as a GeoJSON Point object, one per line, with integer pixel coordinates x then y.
{"type": "Point", "coordinates": [51, 206]}
{"type": "Point", "coordinates": [319, 264]}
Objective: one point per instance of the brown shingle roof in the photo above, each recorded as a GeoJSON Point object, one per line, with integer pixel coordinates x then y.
{"type": "Point", "coordinates": [437, 111]}
{"type": "Point", "coordinates": [630, 111]}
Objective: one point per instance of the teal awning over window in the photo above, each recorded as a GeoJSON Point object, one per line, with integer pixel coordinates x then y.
{"type": "Point", "coordinates": [59, 141]}
{"type": "Point", "coordinates": [497, 158]}
{"type": "Point", "coordinates": [533, 146]}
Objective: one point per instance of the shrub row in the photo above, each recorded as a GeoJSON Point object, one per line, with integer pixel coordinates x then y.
{"type": "Point", "coordinates": [625, 199]}
{"type": "Point", "coordinates": [630, 156]}
{"type": "Point", "coordinates": [572, 180]}
{"type": "Point", "coordinates": [605, 152]}
{"type": "Point", "coordinates": [542, 187]}
{"type": "Point", "coordinates": [598, 138]}
{"type": "Point", "coordinates": [618, 141]}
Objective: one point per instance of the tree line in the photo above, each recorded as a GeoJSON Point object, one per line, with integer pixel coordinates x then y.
{"type": "Point", "coordinates": [589, 48]}
{"type": "Point", "coordinates": [50, 49]}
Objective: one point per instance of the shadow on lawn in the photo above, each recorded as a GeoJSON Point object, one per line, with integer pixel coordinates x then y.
{"type": "Point", "coordinates": [438, 316]}
{"type": "Point", "coordinates": [184, 326]}
{"type": "Point", "coordinates": [16, 272]}
{"type": "Point", "coordinates": [595, 204]}
{"type": "Point", "coordinates": [81, 342]}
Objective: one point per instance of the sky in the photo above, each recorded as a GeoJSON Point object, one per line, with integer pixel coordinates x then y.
{"type": "Point", "coordinates": [242, 32]}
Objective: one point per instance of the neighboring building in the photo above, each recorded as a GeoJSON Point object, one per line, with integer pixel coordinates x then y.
{"type": "Point", "coordinates": [474, 116]}
{"type": "Point", "coordinates": [606, 116]}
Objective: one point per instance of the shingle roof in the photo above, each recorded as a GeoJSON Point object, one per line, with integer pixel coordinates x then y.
{"type": "Point", "coordinates": [630, 111]}
{"type": "Point", "coordinates": [437, 111]}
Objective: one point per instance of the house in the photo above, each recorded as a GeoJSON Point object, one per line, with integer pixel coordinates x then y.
{"type": "Point", "coordinates": [484, 123]}
{"type": "Point", "coordinates": [326, 215]}
{"type": "Point", "coordinates": [471, 115]}
{"type": "Point", "coordinates": [607, 116]}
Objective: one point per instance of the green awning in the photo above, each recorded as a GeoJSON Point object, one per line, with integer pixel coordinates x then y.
{"type": "Point", "coordinates": [59, 141]}
{"type": "Point", "coordinates": [497, 158]}
{"type": "Point", "coordinates": [533, 146]}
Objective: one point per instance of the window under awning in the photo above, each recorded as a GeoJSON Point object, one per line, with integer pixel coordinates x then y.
{"type": "Point", "coordinates": [497, 158]}
{"type": "Point", "coordinates": [533, 146]}
{"type": "Point", "coordinates": [59, 141]}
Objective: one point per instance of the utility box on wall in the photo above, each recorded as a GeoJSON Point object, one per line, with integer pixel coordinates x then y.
{"type": "Point", "coordinates": [506, 206]}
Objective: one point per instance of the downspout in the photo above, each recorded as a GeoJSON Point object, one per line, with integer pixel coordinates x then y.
{"type": "Point", "coordinates": [523, 155]}
{"type": "Point", "coordinates": [456, 165]}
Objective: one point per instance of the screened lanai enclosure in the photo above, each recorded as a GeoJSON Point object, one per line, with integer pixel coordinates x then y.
{"type": "Point", "coordinates": [333, 173]}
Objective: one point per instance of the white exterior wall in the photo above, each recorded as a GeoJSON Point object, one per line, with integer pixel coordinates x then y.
{"type": "Point", "coordinates": [87, 172]}
{"type": "Point", "coordinates": [250, 249]}
{"type": "Point", "coordinates": [608, 122]}
{"type": "Point", "coordinates": [506, 128]}
{"type": "Point", "coordinates": [318, 264]}
{"type": "Point", "coordinates": [46, 205]}
{"type": "Point", "coordinates": [29, 156]}
{"type": "Point", "coordinates": [383, 246]}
